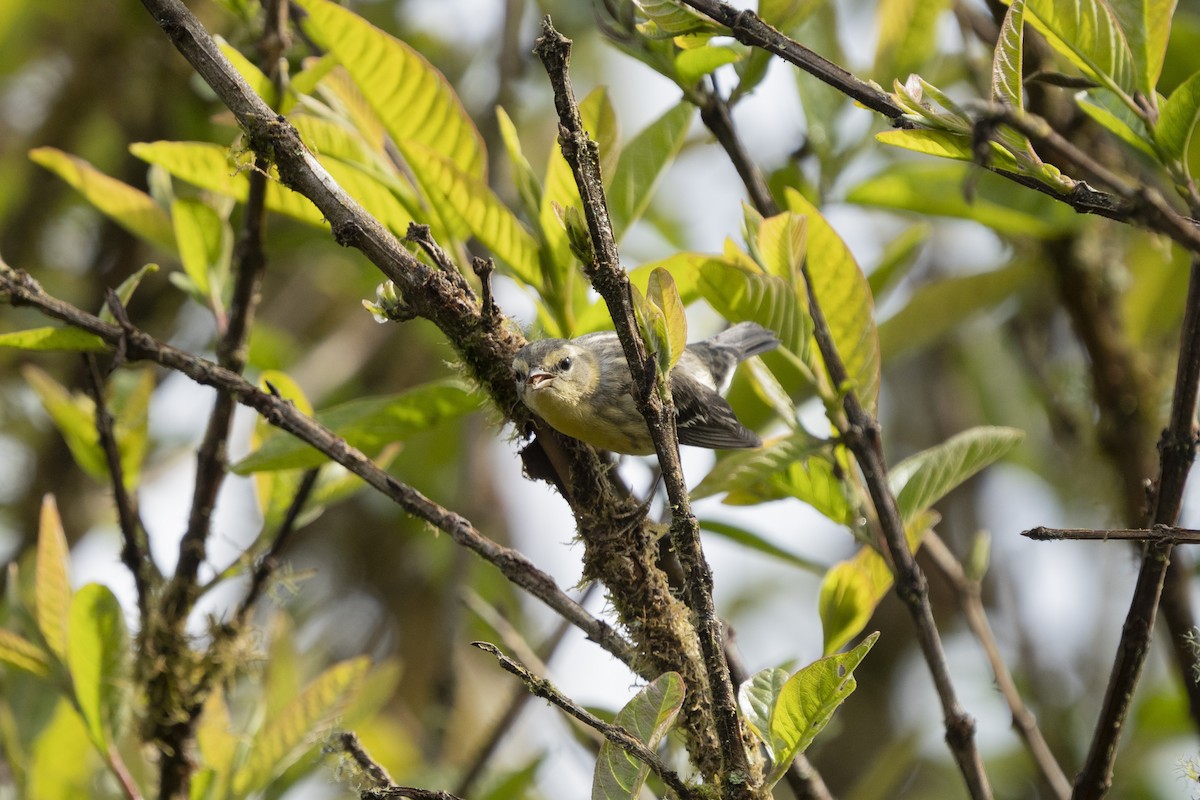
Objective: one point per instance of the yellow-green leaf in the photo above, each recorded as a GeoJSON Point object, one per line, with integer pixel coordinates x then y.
{"type": "Point", "coordinates": [52, 585]}
{"type": "Point", "coordinates": [98, 646]}
{"type": "Point", "coordinates": [662, 293]}
{"type": "Point", "coordinates": [254, 76]}
{"type": "Point", "coordinates": [203, 241]}
{"type": "Point", "coordinates": [414, 100]}
{"type": "Point", "coordinates": [299, 724]}
{"type": "Point", "coordinates": [907, 36]}
{"type": "Point", "coordinates": [62, 764]}
{"type": "Point", "coordinates": [1087, 33]}
{"type": "Point", "coordinates": [21, 653]}
{"type": "Point", "coordinates": [845, 298]}
{"type": "Point", "coordinates": [457, 194]}
{"type": "Point", "coordinates": [71, 339]}
{"type": "Point", "coordinates": [782, 241]}
{"type": "Point", "coordinates": [648, 716]}
{"type": "Point", "coordinates": [1007, 72]}
{"type": "Point", "coordinates": [75, 418]}
{"type": "Point", "coordinates": [131, 208]}
{"type": "Point", "coordinates": [642, 162]}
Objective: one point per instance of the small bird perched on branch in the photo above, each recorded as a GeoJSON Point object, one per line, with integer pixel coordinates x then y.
{"type": "Point", "coordinates": [582, 387]}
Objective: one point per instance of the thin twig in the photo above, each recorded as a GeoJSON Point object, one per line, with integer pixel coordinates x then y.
{"type": "Point", "coordinates": [1177, 451]}
{"type": "Point", "coordinates": [21, 289]}
{"type": "Point", "coordinates": [1023, 719]}
{"type": "Point", "coordinates": [135, 547]}
{"type": "Point", "coordinates": [612, 283]}
{"type": "Point", "coordinates": [512, 711]}
{"type": "Point", "coordinates": [1161, 534]}
{"type": "Point", "coordinates": [384, 786]}
{"type": "Point", "coordinates": [614, 733]}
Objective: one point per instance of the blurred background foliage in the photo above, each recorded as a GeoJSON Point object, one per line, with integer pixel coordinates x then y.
{"type": "Point", "coordinates": [995, 307]}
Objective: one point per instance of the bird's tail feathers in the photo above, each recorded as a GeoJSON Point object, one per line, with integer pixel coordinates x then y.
{"type": "Point", "coordinates": [746, 339]}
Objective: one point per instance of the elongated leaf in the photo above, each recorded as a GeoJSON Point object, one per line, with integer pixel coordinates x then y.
{"type": "Point", "coordinates": [62, 764]}
{"type": "Point", "coordinates": [125, 291]}
{"type": "Point", "coordinates": [692, 65]}
{"type": "Point", "coordinates": [209, 166]}
{"type": "Point", "coordinates": [528, 187]}
{"type": "Point", "coordinates": [1147, 27]}
{"type": "Point", "coordinates": [254, 76]}
{"type": "Point", "coordinates": [414, 100]}
{"type": "Point", "coordinates": [1178, 118]}
{"type": "Point", "coordinates": [922, 479]}
{"type": "Point", "coordinates": [936, 309]}
{"type": "Point", "coordinates": [782, 243]}
{"type": "Point", "coordinates": [751, 540]}
{"type": "Point", "coordinates": [1087, 34]}
{"type": "Point", "coordinates": [204, 241]}
{"type": "Point", "coordinates": [52, 585]}
{"type": "Point", "coordinates": [907, 36]}
{"type": "Point", "coordinates": [131, 208]}
{"type": "Point", "coordinates": [945, 144]}
{"type": "Point", "coordinates": [940, 189]}
{"type": "Point", "coordinates": [21, 653]}
{"type": "Point", "coordinates": [666, 20]}
{"type": "Point", "coordinates": [334, 138]}
{"type": "Point", "coordinates": [216, 738]}
{"type": "Point", "coordinates": [662, 293]}
{"type": "Point", "coordinates": [465, 197]}
{"type": "Point", "coordinates": [1105, 108]}
{"type": "Point", "coordinates": [643, 160]}
{"type": "Point", "coordinates": [808, 701]}
{"type": "Point", "coordinates": [1007, 73]}
{"type": "Point", "coordinates": [71, 339]}
{"type": "Point", "coordinates": [741, 293]}
{"type": "Point", "coordinates": [299, 724]}
{"type": "Point", "coordinates": [845, 298]}
{"type": "Point", "coordinates": [648, 716]}
{"type": "Point", "coordinates": [131, 408]}
{"type": "Point", "coordinates": [748, 470]}
{"type": "Point", "coordinates": [74, 417]}
{"type": "Point", "coordinates": [367, 424]}
{"type": "Point", "coordinates": [97, 649]}
{"type": "Point", "coordinates": [899, 255]}
{"type": "Point", "coordinates": [852, 589]}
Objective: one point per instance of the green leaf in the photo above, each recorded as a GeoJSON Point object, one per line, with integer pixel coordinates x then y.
{"type": "Point", "coordinates": [1106, 109]}
{"type": "Point", "coordinates": [204, 242]}
{"type": "Point", "coordinates": [1087, 33]}
{"type": "Point", "coordinates": [692, 65]}
{"type": "Point", "coordinates": [667, 20]}
{"type": "Point", "coordinates": [75, 418]}
{"type": "Point", "coordinates": [368, 424]}
{"type": "Point", "coordinates": [852, 589]}
{"type": "Point", "coordinates": [648, 716]}
{"type": "Point", "coordinates": [1177, 121]}
{"type": "Point", "coordinates": [753, 541]}
{"type": "Point", "coordinates": [70, 339]}
{"type": "Point", "coordinates": [254, 76]}
{"type": "Point", "coordinates": [936, 309]}
{"type": "Point", "coordinates": [684, 269]}
{"type": "Point", "coordinates": [414, 101]}
{"type": "Point", "coordinates": [807, 701]}
{"type": "Point", "coordinates": [125, 291]}
{"type": "Point", "coordinates": [62, 764]}
{"type": "Point", "coordinates": [662, 293]}
{"type": "Point", "coordinates": [461, 196]}
{"type": "Point", "coordinates": [845, 298]}
{"type": "Point", "coordinates": [757, 699]}
{"type": "Point", "coordinates": [944, 144]}
{"type": "Point", "coordinates": [782, 243]}
{"type": "Point", "coordinates": [299, 724]}
{"type": "Point", "coordinates": [941, 189]}
{"type": "Point", "coordinates": [739, 292]}
{"type": "Point", "coordinates": [899, 255]}
{"type": "Point", "coordinates": [1007, 73]}
{"type": "Point", "coordinates": [130, 407]}
{"type": "Point", "coordinates": [216, 740]}
{"type": "Point", "coordinates": [210, 166]}
{"type": "Point", "coordinates": [23, 654]}
{"type": "Point", "coordinates": [907, 36]}
{"type": "Point", "coordinates": [52, 584]}
{"type": "Point", "coordinates": [922, 479]}
{"type": "Point", "coordinates": [1147, 27]}
{"type": "Point", "coordinates": [131, 208]}
{"type": "Point", "coordinates": [97, 649]}
{"type": "Point", "coordinates": [528, 187]}
{"type": "Point", "coordinates": [642, 162]}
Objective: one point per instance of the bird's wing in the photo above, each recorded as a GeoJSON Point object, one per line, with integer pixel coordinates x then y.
{"type": "Point", "coordinates": [704, 419]}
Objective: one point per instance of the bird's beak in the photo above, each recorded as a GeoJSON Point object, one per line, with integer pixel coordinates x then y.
{"type": "Point", "coordinates": [537, 378]}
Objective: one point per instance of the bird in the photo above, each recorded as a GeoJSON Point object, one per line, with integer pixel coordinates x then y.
{"type": "Point", "coordinates": [582, 387]}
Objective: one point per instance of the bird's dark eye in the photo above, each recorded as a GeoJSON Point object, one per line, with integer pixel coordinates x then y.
{"type": "Point", "coordinates": [564, 364]}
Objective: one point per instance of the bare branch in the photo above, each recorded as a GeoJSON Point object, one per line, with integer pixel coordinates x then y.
{"type": "Point", "coordinates": [384, 786]}
{"type": "Point", "coordinates": [1159, 534]}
